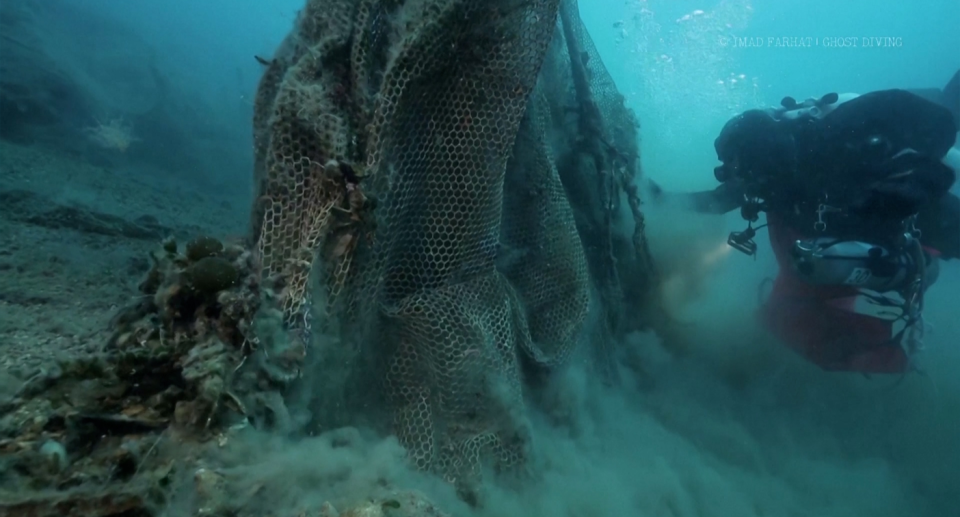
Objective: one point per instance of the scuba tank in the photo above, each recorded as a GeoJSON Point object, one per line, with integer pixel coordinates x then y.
{"type": "Point", "coordinates": [829, 261]}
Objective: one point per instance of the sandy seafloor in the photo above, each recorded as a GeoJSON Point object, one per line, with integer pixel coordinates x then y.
{"type": "Point", "coordinates": [62, 277]}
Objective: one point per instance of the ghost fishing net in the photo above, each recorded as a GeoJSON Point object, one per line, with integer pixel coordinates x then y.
{"type": "Point", "coordinates": [450, 174]}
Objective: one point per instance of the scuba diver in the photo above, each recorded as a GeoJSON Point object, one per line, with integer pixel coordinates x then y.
{"type": "Point", "coordinates": [856, 192]}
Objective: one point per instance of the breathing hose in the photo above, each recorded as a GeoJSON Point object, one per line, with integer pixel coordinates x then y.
{"type": "Point", "coordinates": [916, 298]}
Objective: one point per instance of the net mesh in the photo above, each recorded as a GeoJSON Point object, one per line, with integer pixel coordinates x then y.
{"type": "Point", "coordinates": [450, 171]}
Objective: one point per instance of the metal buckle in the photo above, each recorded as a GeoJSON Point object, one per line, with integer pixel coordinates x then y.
{"type": "Point", "coordinates": [821, 225]}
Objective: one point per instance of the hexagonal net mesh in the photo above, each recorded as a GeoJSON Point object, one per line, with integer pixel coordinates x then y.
{"type": "Point", "coordinates": [407, 152]}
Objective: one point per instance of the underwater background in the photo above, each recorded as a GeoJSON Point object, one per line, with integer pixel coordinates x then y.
{"type": "Point", "coordinates": [162, 144]}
